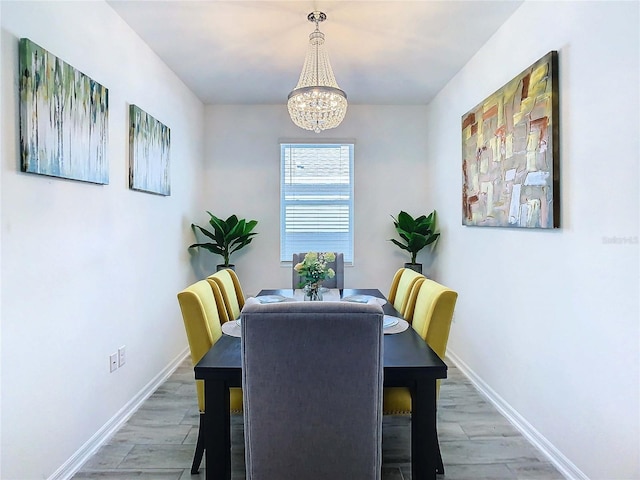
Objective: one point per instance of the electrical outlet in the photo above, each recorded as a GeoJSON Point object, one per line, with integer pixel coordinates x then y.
{"type": "Point", "coordinates": [122, 356]}
{"type": "Point", "coordinates": [113, 362]}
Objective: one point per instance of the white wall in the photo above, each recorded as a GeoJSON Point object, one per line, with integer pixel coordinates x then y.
{"type": "Point", "coordinates": [87, 268]}
{"type": "Point", "coordinates": [242, 173]}
{"type": "Point", "coordinates": [547, 321]}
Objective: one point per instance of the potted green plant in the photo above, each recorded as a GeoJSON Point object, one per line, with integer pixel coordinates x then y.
{"type": "Point", "coordinates": [415, 234]}
{"type": "Point", "coordinates": [227, 236]}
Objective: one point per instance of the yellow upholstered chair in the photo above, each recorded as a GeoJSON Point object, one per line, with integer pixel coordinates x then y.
{"type": "Point", "coordinates": [232, 293]}
{"type": "Point", "coordinates": [403, 291]}
{"type": "Point", "coordinates": [199, 305]}
{"type": "Point", "coordinates": [432, 315]}
{"type": "Point", "coordinates": [410, 302]}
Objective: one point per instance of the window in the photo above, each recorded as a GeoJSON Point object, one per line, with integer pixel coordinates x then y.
{"type": "Point", "coordinates": [316, 199]}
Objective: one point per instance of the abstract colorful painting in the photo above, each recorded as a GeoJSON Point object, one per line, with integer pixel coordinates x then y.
{"type": "Point", "coordinates": [149, 143]}
{"type": "Point", "coordinates": [510, 153]}
{"type": "Point", "coordinates": [64, 117]}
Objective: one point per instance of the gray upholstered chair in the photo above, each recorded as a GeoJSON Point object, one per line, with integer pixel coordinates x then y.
{"type": "Point", "coordinates": [312, 386]}
{"type": "Point", "coordinates": [338, 266]}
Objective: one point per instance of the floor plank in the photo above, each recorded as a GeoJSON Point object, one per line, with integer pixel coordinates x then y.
{"type": "Point", "coordinates": [477, 443]}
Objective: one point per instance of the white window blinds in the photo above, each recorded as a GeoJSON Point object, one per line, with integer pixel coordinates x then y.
{"type": "Point", "coordinates": [316, 205]}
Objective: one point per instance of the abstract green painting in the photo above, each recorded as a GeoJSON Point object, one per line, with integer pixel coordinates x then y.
{"type": "Point", "coordinates": [149, 143]}
{"type": "Point", "coordinates": [64, 118]}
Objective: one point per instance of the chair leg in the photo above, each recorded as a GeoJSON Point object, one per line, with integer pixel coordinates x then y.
{"type": "Point", "coordinates": [197, 457]}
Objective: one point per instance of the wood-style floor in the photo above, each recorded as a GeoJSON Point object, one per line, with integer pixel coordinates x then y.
{"type": "Point", "coordinates": [157, 443]}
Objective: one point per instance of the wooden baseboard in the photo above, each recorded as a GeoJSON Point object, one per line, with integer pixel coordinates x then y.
{"type": "Point", "coordinates": [539, 441]}
{"type": "Point", "coordinates": [75, 462]}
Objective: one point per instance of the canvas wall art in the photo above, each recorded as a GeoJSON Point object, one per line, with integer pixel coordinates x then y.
{"type": "Point", "coordinates": [149, 144]}
{"type": "Point", "coordinates": [510, 160]}
{"type": "Point", "coordinates": [63, 118]}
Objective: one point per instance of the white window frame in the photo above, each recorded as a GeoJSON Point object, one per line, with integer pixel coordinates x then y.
{"type": "Point", "coordinates": [305, 241]}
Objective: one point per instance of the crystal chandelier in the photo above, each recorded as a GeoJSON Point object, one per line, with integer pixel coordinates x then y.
{"type": "Point", "coordinates": [317, 103]}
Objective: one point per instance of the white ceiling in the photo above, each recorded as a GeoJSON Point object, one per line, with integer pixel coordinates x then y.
{"type": "Point", "coordinates": [251, 52]}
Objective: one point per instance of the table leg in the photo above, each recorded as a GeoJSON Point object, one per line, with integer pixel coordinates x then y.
{"type": "Point", "coordinates": [424, 440]}
{"type": "Point", "coordinates": [439, 465]}
{"type": "Point", "coordinates": [217, 423]}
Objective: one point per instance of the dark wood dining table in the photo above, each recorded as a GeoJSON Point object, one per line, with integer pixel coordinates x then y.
{"type": "Point", "coordinates": [408, 362]}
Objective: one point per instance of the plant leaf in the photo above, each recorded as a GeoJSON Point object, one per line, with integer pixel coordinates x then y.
{"type": "Point", "coordinates": [402, 246]}
{"type": "Point", "coordinates": [406, 222]}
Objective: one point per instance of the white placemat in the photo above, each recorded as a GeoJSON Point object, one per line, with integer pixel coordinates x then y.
{"type": "Point", "coordinates": [232, 328]}
{"type": "Point", "coordinates": [399, 327]}
{"type": "Point", "coordinates": [273, 299]}
{"type": "Point", "coordinates": [364, 299]}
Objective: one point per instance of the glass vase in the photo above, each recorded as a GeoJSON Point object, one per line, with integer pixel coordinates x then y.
{"type": "Point", "coordinates": [313, 292]}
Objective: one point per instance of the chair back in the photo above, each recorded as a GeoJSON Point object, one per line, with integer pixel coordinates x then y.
{"type": "Point", "coordinates": [201, 304]}
{"type": "Point", "coordinates": [312, 383]}
{"type": "Point", "coordinates": [198, 304]}
{"type": "Point", "coordinates": [403, 291]}
{"type": "Point", "coordinates": [433, 313]}
{"type": "Point", "coordinates": [338, 266]}
{"type": "Point", "coordinates": [232, 294]}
